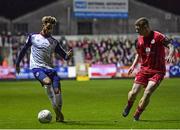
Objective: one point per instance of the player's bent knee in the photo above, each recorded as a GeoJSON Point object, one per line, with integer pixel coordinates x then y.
{"type": "Point", "coordinates": [47, 81]}
{"type": "Point", "coordinates": [56, 91]}
{"type": "Point", "coordinates": [148, 93]}
{"type": "Point", "coordinates": [133, 93]}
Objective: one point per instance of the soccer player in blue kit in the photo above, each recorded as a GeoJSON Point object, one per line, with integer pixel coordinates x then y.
{"type": "Point", "coordinates": [43, 45]}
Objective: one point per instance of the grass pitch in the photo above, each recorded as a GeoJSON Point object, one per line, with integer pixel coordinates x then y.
{"type": "Point", "coordinates": [88, 105]}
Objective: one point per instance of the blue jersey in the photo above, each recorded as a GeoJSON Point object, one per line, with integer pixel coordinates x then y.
{"type": "Point", "coordinates": [42, 49]}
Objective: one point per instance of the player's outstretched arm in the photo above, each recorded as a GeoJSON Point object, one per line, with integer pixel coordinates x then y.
{"type": "Point", "coordinates": [21, 55]}
{"type": "Point", "coordinates": [170, 57]}
{"type": "Point", "coordinates": [131, 69]}
{"type": "Point", "coordinates": [69, 54]}
{"type": "Point", "coordinates": [168, 43]}
{"type": "Point", "coordinates": [63, 53]}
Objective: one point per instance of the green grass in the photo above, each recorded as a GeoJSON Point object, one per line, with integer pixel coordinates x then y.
{"type": "Point", "coordinates": [91, 104]}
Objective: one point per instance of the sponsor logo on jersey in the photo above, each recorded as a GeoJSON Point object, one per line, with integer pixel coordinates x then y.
{"type": "Point", "coordinates": [153, 41]}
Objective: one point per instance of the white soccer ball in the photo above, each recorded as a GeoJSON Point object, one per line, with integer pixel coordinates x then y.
{"type": "Point", "coordinates": [44, 116]}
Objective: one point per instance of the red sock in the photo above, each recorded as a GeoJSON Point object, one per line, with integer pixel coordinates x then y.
{"type": "Point", "coordinates": [130, 103]}
{"type": "Point", "coordinates": [139, 110]}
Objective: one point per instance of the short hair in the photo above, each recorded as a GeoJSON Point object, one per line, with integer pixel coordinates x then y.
{"type": "Point", "coordinates": [49, 19]}
{"type": "Point", "coordinates": [142, 21]}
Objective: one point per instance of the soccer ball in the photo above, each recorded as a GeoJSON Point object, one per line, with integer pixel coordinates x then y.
{"type": "Point", "coordinates": [44, 116]}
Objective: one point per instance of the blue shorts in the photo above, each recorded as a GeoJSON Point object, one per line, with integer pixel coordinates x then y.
{"type": "Point", "coordinates": [41, 73]}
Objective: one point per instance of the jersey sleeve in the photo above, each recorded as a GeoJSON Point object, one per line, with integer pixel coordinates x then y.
{"type": "Point", "coordinates": [23, 51]}
{"type": "Point", "coordinates": [164, 40]}
{"type": "Point", "coordinates": [59, 49]}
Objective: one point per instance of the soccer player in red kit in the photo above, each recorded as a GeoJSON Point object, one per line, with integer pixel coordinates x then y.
{"type": "Point", "coordinates": [150, 48]}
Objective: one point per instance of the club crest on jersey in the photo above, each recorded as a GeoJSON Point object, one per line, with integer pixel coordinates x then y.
{"type": "Point", "coordinates": [148, 50]}
{"type": "Point", "coordinates": [153, 41]}
{"type": "Point", "coordinates": [37, 74]}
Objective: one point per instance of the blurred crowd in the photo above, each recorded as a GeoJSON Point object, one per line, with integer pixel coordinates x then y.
{"type": "Point", "coordinates": [9, 47]}
{"type": "Point", "coordinates": [120, 51]}
{"type": "Point", "coordinates": [105, 51]}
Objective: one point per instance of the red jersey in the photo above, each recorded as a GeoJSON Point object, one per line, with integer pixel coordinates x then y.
{"type": "Point", "coordinates": [151, 50]}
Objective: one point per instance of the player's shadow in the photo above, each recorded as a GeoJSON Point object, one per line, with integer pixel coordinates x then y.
{"type": "Point", "coordinates": [91, 123]}
{"type": "Point", "coordinates": [163, 121]}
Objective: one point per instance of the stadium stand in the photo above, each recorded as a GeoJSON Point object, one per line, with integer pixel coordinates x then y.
{"type": "Point", "coordinates": [69, 25]}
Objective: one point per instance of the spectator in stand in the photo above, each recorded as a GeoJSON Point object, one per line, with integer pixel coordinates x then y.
{"type": "Point", "coordinates": [1, 59]}
{"type": "Point", "coordinates": [177, 55]}
{"type": "Point", "coordinates": [9, 37]}
{"type": "Point", "coordinates": [5, 62]}
{"type": "Point", "coordinates": [3, 38]}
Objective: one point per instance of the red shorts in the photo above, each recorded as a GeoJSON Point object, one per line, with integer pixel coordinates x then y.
{"type": "Point", "coordinates": [143, 78]}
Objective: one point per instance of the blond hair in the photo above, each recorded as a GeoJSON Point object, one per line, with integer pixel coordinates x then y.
{"type": "Point", "coordinates": [49, 19]}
